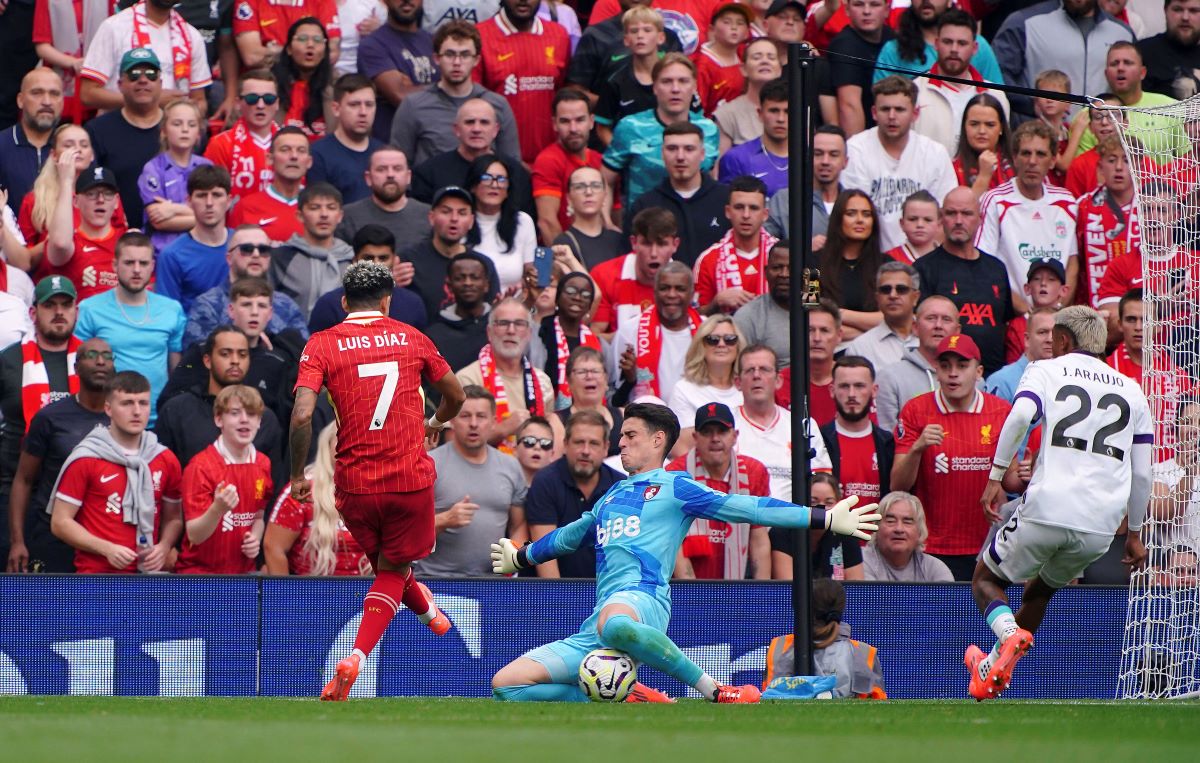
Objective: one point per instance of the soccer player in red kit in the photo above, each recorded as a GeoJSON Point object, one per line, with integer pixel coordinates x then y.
{"type": "Point", "coordinates": [372, 367]}
{"type": "Point", "coordinates": [115, 523]}
{"type": "Point", "coordinates": [226, 488]}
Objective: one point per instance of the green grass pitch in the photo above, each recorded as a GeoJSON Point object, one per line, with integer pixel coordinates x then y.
{"type": "Point", "coordinates": [104, 729]}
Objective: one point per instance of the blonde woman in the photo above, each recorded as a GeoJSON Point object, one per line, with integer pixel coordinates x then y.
{"type": "Point", "coordinates": [163, 182]}
{"type": "Point", "coordinates": [709, 369]}
{"type": "Point", "coordinates": [309, 538]}
{"type": "Point", "coordinates": [37, 208]}
{"type": "Point", "coordinates": [895, 553]}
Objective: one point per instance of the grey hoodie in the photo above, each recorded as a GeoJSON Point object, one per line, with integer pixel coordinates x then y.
{"type": "Point", "coordinates": [900, 382]}
{"type": "Point", "coordinates": [304, 272]}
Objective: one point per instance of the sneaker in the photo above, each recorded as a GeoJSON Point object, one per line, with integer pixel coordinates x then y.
{"type": "Point", "coordinates": [978, 688]}
{"type": "Point", "coordinates": [440, 624]}
{"type": "Point", "coordinates": [730, 695]}
{"type": "Point", "coordinates": [339, 688]}
{"type": "Point", "coordinates": [1013, 649]}
{"type": "Point", "coordinates": [643, 693]}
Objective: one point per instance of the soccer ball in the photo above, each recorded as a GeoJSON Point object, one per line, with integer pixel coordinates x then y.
{"type": "Point", "coordinates": [606, 675]}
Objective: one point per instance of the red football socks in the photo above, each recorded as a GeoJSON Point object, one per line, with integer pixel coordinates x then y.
{"type": "Point", "coordinates": [379, 607]}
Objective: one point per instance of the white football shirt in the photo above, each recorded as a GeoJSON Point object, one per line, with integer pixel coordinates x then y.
{"type": "Point", "coordinates": [772, 445]}
{"type": "Point", "coordinates": [1017, 229]}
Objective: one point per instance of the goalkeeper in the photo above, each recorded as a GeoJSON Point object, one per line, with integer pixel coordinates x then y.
{"type": "Point", "coordinates": [640, 525]}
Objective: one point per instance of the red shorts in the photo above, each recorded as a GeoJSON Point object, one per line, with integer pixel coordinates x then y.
{"type": "Point", "coordinates": [397, 525]}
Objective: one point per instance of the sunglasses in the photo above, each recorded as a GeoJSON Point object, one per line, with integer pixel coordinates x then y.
{"type": "Point", "coordinates": [94, 354]}
{"type": "Point", "coordinates": [133, 75]}
{"type": "Point", "coordinates": [263, 250]}
{"type": "Point", "coordinates": [529, 441]}
{"type": "Point", "coordinates": [252, 99]}
{"type": "Point", "coordinates": [900, 289]}
{"type": "Point", "coordinates": [714, 340]}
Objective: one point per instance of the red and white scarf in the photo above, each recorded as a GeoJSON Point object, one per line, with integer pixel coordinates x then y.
{"type": "Point", "coordinates": [248, 163]}
{"type": "Point", "coordinates": [649, 345]}
{"type": "Point", "coordinates": [563, 351]}
{"type": "Point", "coordinates": [493, 382]}
{"type": "Point", "coordinates": [35, 382]}
{"type": "Point", "coordinates": [181, 44]}
{"type": "Point", "coordinates": [733, 270]}
{"type": "Point", "coordinates": [698, 541]}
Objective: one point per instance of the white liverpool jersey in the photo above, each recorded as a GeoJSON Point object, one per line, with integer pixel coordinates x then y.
{"type": "Point", "coordinates": [1094, 416]}
{"type": "Point", "coordinates": [772, 445]}
{"type": "Point", "coordinates": [1019, 230]}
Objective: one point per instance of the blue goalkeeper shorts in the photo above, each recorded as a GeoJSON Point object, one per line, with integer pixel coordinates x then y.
{"type": "Point", "coordinates": [562, 658]}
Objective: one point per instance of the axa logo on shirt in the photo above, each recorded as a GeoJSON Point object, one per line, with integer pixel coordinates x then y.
{"type": "Point", "coordinates": [977, 315]}
{"type": "Point", "coordinates": [1030, 252]}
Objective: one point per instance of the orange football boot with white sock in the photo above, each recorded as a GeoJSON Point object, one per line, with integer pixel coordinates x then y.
{"type": "Point", "coordinates": [440, 624]}
{"type": "Point", "coordinates": [978, 688]}
{"type": "Point", "coordinates": [338, 689]}
{"type": "Point", "coordinates": [1013, 649]}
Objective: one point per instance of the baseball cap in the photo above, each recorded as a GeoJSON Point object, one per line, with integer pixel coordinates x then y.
{"type": "Point", "coordinates": [139, 56]}
{"type": "Point", "coordinates": [1047, 263]}
{"type": "Point", "coordinates": [456, 191]}
{"type": "Point", "coordinates": [960, 345]}
{"type": "Point", "coordinates": [779, 5]}
{"type": "Point", "coordinates": [714, 413]}
{"type": "Point", "coordinates": [94, 177]}
{"type": "Point", "coordinates": [51, 286]}
{"type": "Point", "coordinates": [724, 8]}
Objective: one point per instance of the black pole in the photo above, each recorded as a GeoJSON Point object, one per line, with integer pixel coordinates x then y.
{"type": "Point", "coordinates": [801, 100]}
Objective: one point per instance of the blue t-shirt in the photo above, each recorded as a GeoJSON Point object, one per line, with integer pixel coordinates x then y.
{"type": "Point", "coordinates": [984, 61]}
{"type": "Point", "coordinates": [750, 158]}
{"type": "Point", "coordinates": [141, 336]}
{"type": "Point", "coordinates": [406, 308]}
{"type": "Point", "coordinates": [336, 163]}
{"type": "Point", "coordinates": [185, 269]}
{"type": "Point", "coordinates": [636, 151]}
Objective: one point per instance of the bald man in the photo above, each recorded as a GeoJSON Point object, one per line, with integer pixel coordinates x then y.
{"type": "Point", "coordinates": [24, 148]}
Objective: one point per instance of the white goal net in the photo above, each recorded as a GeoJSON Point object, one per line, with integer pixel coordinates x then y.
{"type": "Point", "coordinates": [1161, 651]}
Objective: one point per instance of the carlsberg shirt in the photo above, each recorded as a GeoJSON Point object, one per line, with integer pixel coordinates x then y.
{"type": "Point", "coordinates": [1018, 230]}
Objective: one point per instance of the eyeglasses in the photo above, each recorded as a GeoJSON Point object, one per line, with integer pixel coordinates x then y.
{"type": "Point", "coordinates": [729, 340]}
{"type": "Point", "coordinates": [593, 187]}
{"type": "Point", "coordinates": [252, 99]}
{"type": "Point", "coordinates": [575, 291]}
{"type": "Point", "coordinates": [457, 55]}
{"type": "Point", "coordinates": [900, 289]}
{"type": "Point", "coordinates": [529, 441]}
{"type": "Point", "coordinates": [250, 250]}
{"type": "Point", "coordinates": [305, 39]}
{"type": "Point", "coordinates": [102, 194]}
{"type": "Point", "coordinates": [133, 75]}
{"type": "Point", "coordinates": [500, 180]}
{"type": "Point", "coordinates": [504, 324]}
{"type": "Point", "coordinates": [95, 354]}
{"type": "Point", "coordinates": [587, 372]}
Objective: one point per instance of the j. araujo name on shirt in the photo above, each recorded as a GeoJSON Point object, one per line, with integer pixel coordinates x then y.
{"type": "Point", "coordinates": [398, 339]}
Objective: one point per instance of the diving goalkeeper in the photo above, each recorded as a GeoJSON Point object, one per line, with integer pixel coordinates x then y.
{"type": "Point", "coordinates": [640, 525]}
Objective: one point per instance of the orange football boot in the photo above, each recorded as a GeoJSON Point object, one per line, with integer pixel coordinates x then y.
{"type": "Point", "coordinates": [344, 676]}
{"type": "Point", "coordinates": [1013, 649]}
{"type": "Point", "coordinates": [729, 695]}
{"type": "Point", "coordinates": [643, 693]}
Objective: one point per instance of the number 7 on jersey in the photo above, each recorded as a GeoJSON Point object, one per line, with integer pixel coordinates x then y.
{"type": "Point", "coordinates": [390, 372]}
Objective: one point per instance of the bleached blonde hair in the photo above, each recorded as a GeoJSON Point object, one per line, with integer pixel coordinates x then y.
{"type": "Point", "coordinates": [695, 368]}
{"type": "Point", "coordinates": [321, 545]}
{"type": "Point", "coordinates": [1086, 327]}
{"type": "Point", "coordinates": [45, 186]}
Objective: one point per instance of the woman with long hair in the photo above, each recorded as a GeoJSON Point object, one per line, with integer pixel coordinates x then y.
{"type": "Point", "coordinates": [849, 261]}
{"type": "Point", "coordinates": [309, 538]}
{"type": "Point", "coordinates": [502, 233]}
{"type": "Point", "coordinates": [833, 556]}
{"type": "Point", "coordinates": [305, 78]}
{"type": "Point", "coordinates": [163, 182]}
{"type": "Point", "coordinates": [983, 161]}
{"type": "Point", "coordinates": [710, 368]}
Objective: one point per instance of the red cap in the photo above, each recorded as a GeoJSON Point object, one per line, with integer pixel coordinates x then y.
{"type": "Point", "coordinates": [960, 345]}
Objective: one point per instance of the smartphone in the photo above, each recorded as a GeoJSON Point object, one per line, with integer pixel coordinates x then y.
{"type": "Point", "coordinates": [1175, 278]}
{"type": "Point", "coordinates": [543, 261]}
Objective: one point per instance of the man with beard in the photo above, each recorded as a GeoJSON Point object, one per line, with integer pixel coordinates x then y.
{"type": "Point", "coordinates": [573, 123]}
{"type": "Point", "coordinates": [450, 217]}
{"type": "Point", "coordinates": [424, 124]}
{"type": "Point", "coordinates": [569, 487]}
{"type": "Point", "coordinates": [460, 329]}
{"type": "Point", "coordinates": [1173, 57]}
{"type": "Point", "coordinates": [387, 177]}
{"type": "Point", "coordinates": [861, 452]}
{"type": "Point", "coordinates": [915, 46]}
{"type": "Point", "coordinates": [53, 433]}
{"type": "Point", "coordinates": [24, 148]}
{"type": "Point", "coordinates": [341, 158]}
{"type": "Point", "coordinates": [373, 243]}
{"type": "Point", "coordinates": [145, 329]}
{"type": "Point", "coordinates": [898, 289]}
{"type": "Point", "coordinates": [766, 319]}
{"type": "Point", "coordinates": [398, 57]}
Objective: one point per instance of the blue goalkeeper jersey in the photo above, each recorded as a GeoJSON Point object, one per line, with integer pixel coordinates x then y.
{"type": "Point", "coordinates": [640, 524]}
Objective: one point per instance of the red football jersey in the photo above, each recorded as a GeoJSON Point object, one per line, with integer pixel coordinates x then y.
{"type": "Point", "coordinates": [91, 267]}
{"type": "Point", "coordinates": [1105, 231]}
{"type": "Point", "coordinates": [527, 68]}
{"type": "Point", "coordinates": [716, 83]}
{"type": "Point", "coordinates": [273, 18]}
{"type": "Point", "coordinates": [622, 298]}
{"type": "Point", "coordinates": [221, 553]}
{"type": "Point", "coordinates": [1175, 273]}
{"type": "Point", "coordinates": [1165, 390]}
{"type": "Point", "coordinates": [97, 487]}
{"type": "Point", "coordinates": [33, 235]}
{"type": "Point", "coordinates": [821, 407]}
{"type": "Point", "coordinates": [1014, 339]}
{"type": "Point", "coordinates": [552, 169]}
{"type": "Point", "coordinates": [859, 468]}
{"type": "Point", "coordinates": [952, 475]}
{"type": "Point", "coordinates": [248, 166]}
{"type": "Point", "coordinates": [267, 209]}
{"type": "Point", "coordinates": [372, 367]}
{"type": "Point", "coordinates": [298, 517]}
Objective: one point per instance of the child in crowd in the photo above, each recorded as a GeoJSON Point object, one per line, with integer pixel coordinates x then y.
{"type": "Point", "coordinates": [1054, 113]}
{"type": "Point", "coordinates": [718, 66]}
{"type": "Point", "coordinates": [920, 221]}
{"type": "Point", "coordinates": [163, 182]}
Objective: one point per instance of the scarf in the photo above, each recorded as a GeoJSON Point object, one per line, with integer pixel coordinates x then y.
{"type": "Point", "coordinates": [138, 507]}
{"type": "Point", "coordinates": [698, 541]}
{"type": "Point", "coordinates": [493, 382]}
{"type": "Point", "coordinates": [181, 43]}
{"type": "Point", "coordinates": [649, 345]}
{"type": "Point", "coordinates": [72, 35]}
{"type": "Point", "coordinates": [733, 270]}
{"type": "Point", "coordinates": [35, 382]}
{"type": "Point", "coordinates": [247, 162]}
{"type": "Point", "coordinates": [562, 351]}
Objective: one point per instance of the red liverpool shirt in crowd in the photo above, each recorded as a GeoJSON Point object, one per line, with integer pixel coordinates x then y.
{"type": "Point", "coordinates": [91, 267]}
{"type": "Point", "coordinates": [1105, 231]}
{"type": "Point", "coordinates": [551, 171]}
{"type": "Point", "coordinates": [245, 156]}
{"type": "Point", "coordinates": [273, 18]}
{"type": "Point", "coordinates": [270, 211]}
{"type": "Point", "coordinates": [221, 553]}
{"type": "Point", "coordinates": [858, 471]}
{"type": "Point", "coordinates": [372, 366]}
{"type": "Point", "coordinates": [1165, 388]}
{"type": "Point", "coordinates": [527, 68]}
{"type": "Point", "coordinates": [622, 298]}
{"type": "Point", "coordinates": [298, 517]}
{"type": "Point", "coordinates": [97, 487]}
{"type": "Point", "coordinates": [953, 475]}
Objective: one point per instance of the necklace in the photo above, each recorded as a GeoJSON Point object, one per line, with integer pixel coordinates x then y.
{"type": "Point", "coordinates": [771, 161]}
{"type": "Point", "coordinates": [145, 318]}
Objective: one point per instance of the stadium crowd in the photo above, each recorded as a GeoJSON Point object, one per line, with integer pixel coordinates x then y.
{"type": "Point", "coordinates": [584, 204]}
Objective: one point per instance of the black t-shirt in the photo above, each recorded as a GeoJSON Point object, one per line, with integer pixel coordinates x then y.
{"type": "Point", "coordinates": [450, 168]}
{"type": "Point", "coordinates": [1171, 69]}
{"type": "Point", "coordinates": [980, 289]}
{"type": "Point", "coordinates": [429, 278]}
{"type": "Point", "coordinates": [592, 250]}
{"type": "Point", "coordinates": [12, 427]}
{"type": "Point", "coordinates": [621, 94]}
{"type": "Point", "coordinates": [847, 72]}
{"type": "Point", "coordinates": [602, 44]}
{"type": "Point", "coordinates": [832, 550]}
{"type": "Point", "coordinates": [54, 433]}
{"type": "Point", "coordinates": [124, 149]}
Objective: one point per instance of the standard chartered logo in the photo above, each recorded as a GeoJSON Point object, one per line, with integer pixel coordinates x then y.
{"type": "Point", "coordinates": [1030, 252]}
{"type": "Point", "coordinates": [941, 464]}
{"type": "Point", "coordinates": [510, 84]}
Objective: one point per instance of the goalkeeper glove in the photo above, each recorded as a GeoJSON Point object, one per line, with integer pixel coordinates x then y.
{"type": "Point", "coordinates": [844, 519]}
{"type": "Point", "coordinates": [504, 557]}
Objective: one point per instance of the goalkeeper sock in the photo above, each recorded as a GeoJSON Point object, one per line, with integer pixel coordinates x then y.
{"type": "Point", "coordinates": [416, 600]}
{"type": "Point", "coordinates": [540, 693]}
{"type": "Point", "coordinates": [379, 607]}
{"type": "Point", "coordinates": [653, 648]}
